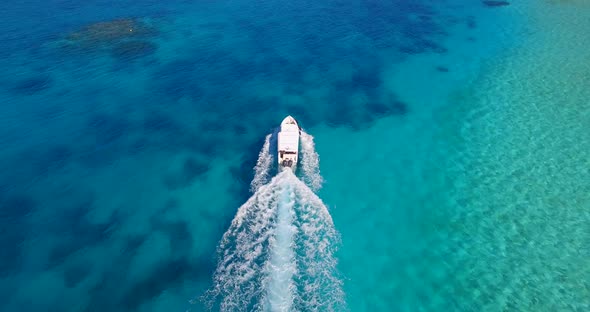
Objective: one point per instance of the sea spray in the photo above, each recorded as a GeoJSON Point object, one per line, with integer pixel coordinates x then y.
{"type": "Point", "coordinates": [281, 266]}
{"type": "Point", "coordinates": [320, 289]}
{"type": "Point", "coordinates": [278, 253]}
{"type": "Point", "coordinates": [310, 162]}
{"type": "Point", "coordinates": [263, 166]}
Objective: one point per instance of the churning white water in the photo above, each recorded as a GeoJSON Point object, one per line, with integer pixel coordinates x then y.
{"type": "Point", "coordinates": [281, 266]}
{"type": "Point", "coordinates": [310, 162]}
{"type": "Point", "coordinates": [278, 253]}
{"type": "Point", "coordinates": [263, 166]}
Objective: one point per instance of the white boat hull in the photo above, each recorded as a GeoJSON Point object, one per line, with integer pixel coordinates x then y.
{"type": "Point", "coordinates": [288, 143]}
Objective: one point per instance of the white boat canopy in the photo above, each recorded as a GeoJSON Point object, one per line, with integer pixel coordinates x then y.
{"type": "Point", "coordinates": [288, 143]}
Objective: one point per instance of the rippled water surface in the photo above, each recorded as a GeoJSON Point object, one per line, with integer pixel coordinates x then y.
{"type": "Point", "coordinates": [453, 139]}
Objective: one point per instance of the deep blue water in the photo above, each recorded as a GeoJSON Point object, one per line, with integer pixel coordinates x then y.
{"type": "Point", "coordinates": [128, 131]}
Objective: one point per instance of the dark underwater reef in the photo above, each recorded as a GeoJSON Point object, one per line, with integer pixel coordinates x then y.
{"type": "Point", "coordinates": [124, 39]}
{"type": "Point", "coordinates": [493, 3]}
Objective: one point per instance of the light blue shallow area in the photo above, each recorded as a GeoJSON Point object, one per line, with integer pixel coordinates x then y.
{"type": "Point", "coordinates": [453, 138]}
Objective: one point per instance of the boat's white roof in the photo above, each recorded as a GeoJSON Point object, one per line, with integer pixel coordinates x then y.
{"type": "Point", "coordinates": [289, 135]}
{"type": "Point", "coordinates": [288, 141]}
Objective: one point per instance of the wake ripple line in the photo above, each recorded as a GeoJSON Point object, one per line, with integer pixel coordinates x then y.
{"type": "Point", "coordinates": [263, 166]}
{"type": "Point", "coordinates": [310, 162]}
{"type": "Point", "coordinates": [279, 251]}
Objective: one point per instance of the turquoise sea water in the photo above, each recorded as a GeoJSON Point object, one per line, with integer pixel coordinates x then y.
{"type": "Point", "coordinates": [453, 139]}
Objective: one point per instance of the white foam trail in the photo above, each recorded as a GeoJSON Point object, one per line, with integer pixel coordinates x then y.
{"type": "Point", "coordinates": [243, 251]}
{"type": "Point", "coordinates": [310, 162]}
{"type": "Point", "coordinates": [262, 168]}
{"type": "Point", "coordinates": [316, 243]}
{"type": "Point", "coordinates": [282, 267]}
{"type": "Point", "coordinates": [278, 254]}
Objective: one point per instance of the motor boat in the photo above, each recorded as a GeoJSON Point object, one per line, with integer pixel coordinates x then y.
{"type": "Point", "coordinates": [288, 143]}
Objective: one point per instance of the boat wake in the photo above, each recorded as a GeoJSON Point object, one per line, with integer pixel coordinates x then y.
{"type": "Point", "coordinates": [278, 253]}
{"type": "Point", "coordinates": [263, 166]}
{"type": "Point", "coordinates": [310, 162]}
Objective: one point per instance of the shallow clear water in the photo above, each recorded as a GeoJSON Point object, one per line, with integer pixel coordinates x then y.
{"type": "Point", "coordinates": [453, 138]}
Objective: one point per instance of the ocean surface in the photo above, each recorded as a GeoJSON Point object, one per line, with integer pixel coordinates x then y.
{"type": "Point", "coordinates": [453, 140]}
